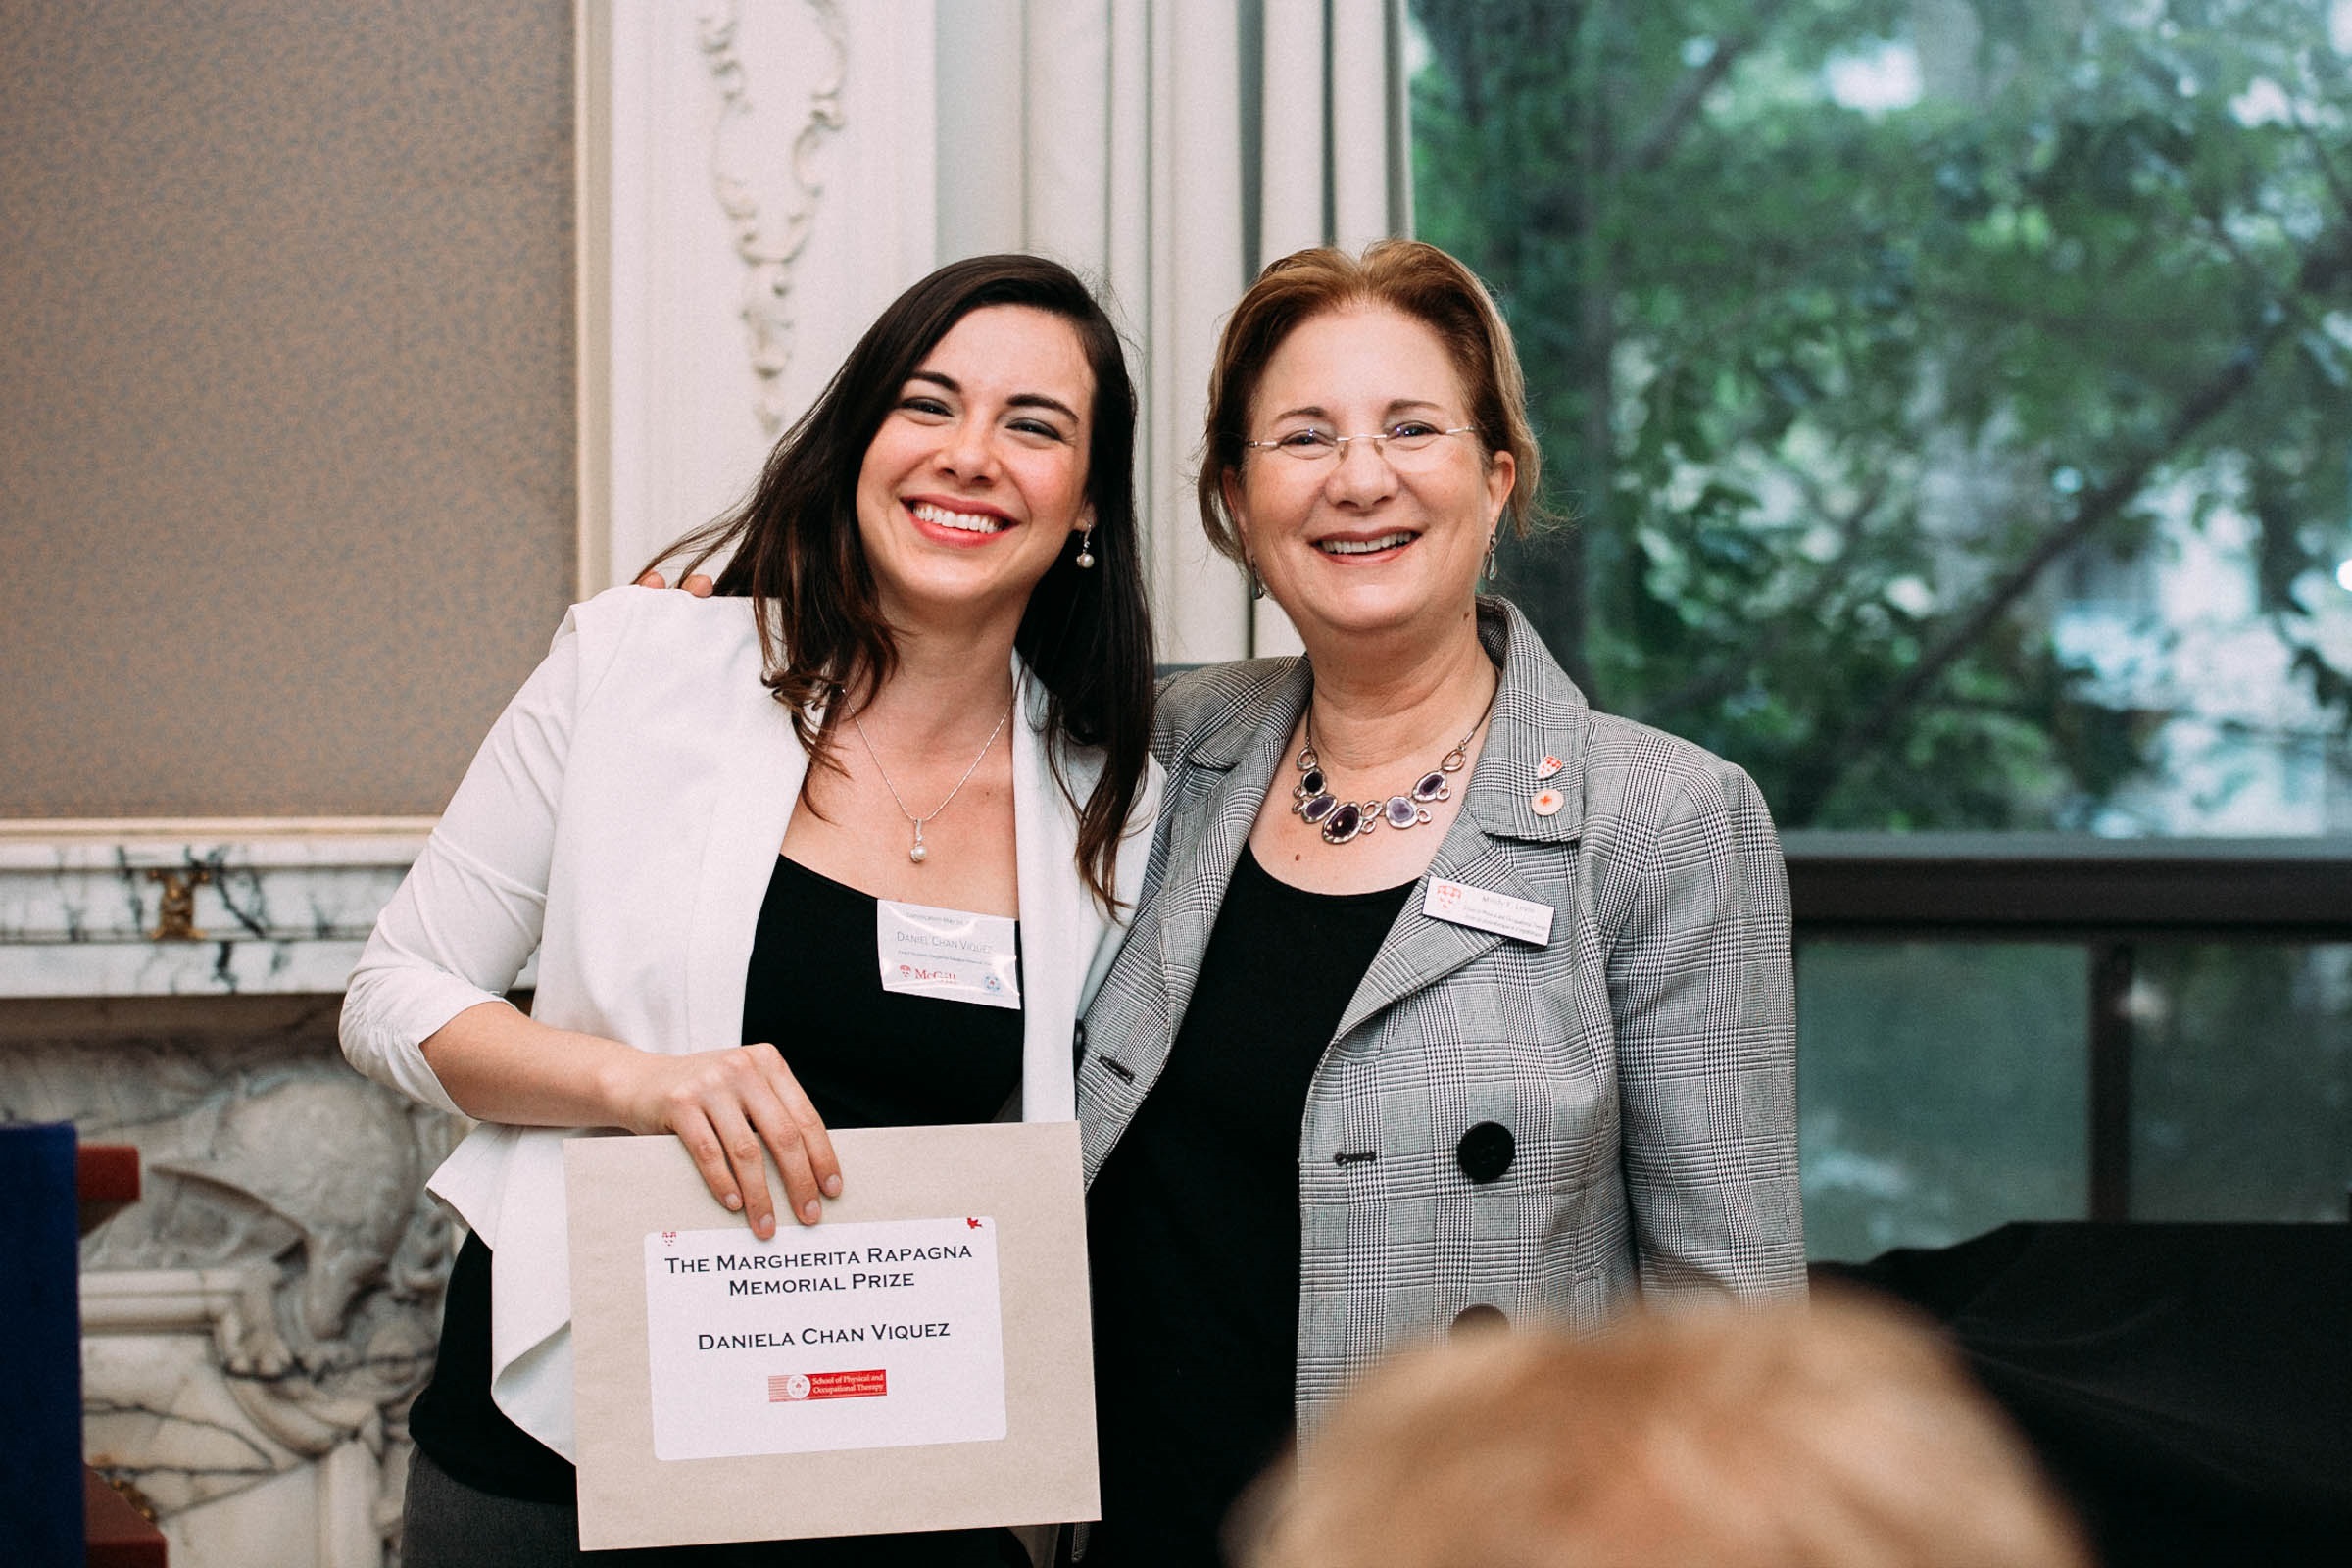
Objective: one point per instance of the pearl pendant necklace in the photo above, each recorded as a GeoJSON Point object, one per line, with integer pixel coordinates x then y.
{"type": "Point", "coordinates": [918, 852]}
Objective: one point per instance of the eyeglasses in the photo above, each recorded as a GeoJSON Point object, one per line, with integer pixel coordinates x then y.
{"type": "Point", "coordinates": [1401, 444]}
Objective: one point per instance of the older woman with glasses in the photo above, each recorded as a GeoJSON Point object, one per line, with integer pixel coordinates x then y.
{"type": "Point", "coordinates": [1450, 1001]}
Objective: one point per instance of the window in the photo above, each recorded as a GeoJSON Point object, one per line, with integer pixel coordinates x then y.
{"type": "Point", "coordinates": [1953, 401]}
{"type": "Point", "coordinates": [1950, 403]}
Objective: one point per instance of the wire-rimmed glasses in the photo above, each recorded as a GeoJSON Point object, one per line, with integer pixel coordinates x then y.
{"type": "Point", "coordinates": [1400, 443]}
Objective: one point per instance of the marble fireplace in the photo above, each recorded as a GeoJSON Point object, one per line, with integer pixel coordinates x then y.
{"type": "Point", "coordinates": [254, 1326]}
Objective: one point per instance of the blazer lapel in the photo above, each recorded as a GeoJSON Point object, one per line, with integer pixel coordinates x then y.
{"type": "Point", "coordinates": [1540, 717]}
{"type": "Point", "coordinates": [1421, 949]}
{"type": "Point", "coordinates": [757, 766]}
{"type": "Point", "coordinates": [1055, 942]}
{"type": "Point", "coordinates": [1240, 759]}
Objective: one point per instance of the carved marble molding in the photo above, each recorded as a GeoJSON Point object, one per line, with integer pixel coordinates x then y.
{"type": "Point", "coordinates": [768, 250]}
{"type": "Point", "coordinates": [255, 1324]}
{"type": "Point", "coordinates": [164, 908]}
{"type": "Point", "coordinates": [192, 1393]}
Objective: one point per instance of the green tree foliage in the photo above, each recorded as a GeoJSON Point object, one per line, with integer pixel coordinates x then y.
{"type": "Point", "coordinates": [1834, 398]}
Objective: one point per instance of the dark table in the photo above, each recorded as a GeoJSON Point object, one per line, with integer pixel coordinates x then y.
{"type": "Point", "coordinates": [2189, 1387]}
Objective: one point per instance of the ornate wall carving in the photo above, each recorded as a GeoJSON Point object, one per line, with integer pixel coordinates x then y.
{"type": "Point", "coordinates": [256, 1325]}
{"type": "Point", "coordinates": [769, 244]}
{"type": "Point", "coordinates": [763, 184]}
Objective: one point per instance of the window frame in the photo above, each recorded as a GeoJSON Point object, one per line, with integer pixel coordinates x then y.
{"type": "Point", "coordinates": [2104, 895]}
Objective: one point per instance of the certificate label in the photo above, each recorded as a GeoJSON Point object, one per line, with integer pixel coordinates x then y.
{"type": "Point", "coordinates": [875, 1335]}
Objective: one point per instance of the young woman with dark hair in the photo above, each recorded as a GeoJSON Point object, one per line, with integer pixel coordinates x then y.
{"type": "Point", "coordinates": [1085, 637]}
{"type": "Point", "coordinates": [924, 680]}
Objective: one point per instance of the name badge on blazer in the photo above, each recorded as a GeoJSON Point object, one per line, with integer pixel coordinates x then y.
{"type": "Point", "coordinates": [954, 954]}
{"type": "Point", "coordinates": [1484, 910]}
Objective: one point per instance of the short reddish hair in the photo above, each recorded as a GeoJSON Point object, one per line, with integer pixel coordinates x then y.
{"type": "Point", "coordinates": [1845, 1437]}
{"type": "Point", "coordinates": [1405, 275]}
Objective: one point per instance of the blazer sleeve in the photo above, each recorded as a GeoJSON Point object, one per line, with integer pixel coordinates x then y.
{"type": "Point", "coordinates": [467, 915]}
{"type": "Point", "coordinates": [1701, 987]}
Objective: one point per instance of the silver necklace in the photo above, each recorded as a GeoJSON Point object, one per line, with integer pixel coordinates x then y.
{"type": "Point", "coordinates": [1343, 820]}
{"type": "Point", "coordinates": [917, 853]}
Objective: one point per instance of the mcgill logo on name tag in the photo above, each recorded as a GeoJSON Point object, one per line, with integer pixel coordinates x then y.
{"type": "Point", "coordinates": [952, 954]}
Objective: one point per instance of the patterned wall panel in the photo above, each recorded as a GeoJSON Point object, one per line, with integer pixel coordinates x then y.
{"type": "Point", "coordinates": [286, 410]}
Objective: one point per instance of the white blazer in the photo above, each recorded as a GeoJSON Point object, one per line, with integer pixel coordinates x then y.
{"type": "Point", "coordinates": [624, 819]}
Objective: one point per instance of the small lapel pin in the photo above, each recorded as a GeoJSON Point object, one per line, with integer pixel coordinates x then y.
{"type": "Point", "coordinates": [1548, 766]}
{"type": "Point", "coordinates": [1548, 802]}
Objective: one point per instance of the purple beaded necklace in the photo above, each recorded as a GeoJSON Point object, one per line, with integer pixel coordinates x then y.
{"type": "Point", "coordinates": [1341, 820]}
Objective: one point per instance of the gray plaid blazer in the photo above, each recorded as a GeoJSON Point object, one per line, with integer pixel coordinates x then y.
{"type": "Point", "coordinates": [1643, 1061]}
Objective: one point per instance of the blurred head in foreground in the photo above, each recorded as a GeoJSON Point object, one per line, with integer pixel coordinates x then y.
{"type": "Point", "coordinates": [1844, 1435]}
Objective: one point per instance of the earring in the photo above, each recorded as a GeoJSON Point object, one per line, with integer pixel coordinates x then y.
{"type": "Point", "coordinates": [1086, 549]}
{"type": "Point", "coordinates": [1257, 584]}
{"type": "Point", "coordinates": [1491, 540]}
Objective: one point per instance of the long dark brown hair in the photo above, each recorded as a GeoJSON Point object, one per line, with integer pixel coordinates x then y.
{"type": "Point", "coordinates": [798, 552]}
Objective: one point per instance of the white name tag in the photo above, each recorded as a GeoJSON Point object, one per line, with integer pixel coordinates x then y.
{"type": "Point", "coordinates": [950, 953]}
{"type": "Point", "coordinates": [1484, 909]}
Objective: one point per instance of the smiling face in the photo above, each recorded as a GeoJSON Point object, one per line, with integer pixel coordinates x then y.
{"type": "Point", "coordinates": [1370, 542]}
{"type": "Point", "coordinates": [977, 476]}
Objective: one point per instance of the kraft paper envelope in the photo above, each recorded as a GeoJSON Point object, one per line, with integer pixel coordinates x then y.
{"type": "Point", "coordinates": [1011, 1189]}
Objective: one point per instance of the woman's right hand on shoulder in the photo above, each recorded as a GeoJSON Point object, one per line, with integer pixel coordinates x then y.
{"type": "Point", "coordinates": [730, 1109]}
{"type": "Point", "coordinates": [696, 583]}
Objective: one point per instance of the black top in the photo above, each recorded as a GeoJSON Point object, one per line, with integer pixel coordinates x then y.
{"type": "Point", "coordinates": [866, 1058]}
{"type": "Point", "coordinates": [1193, 1223]}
